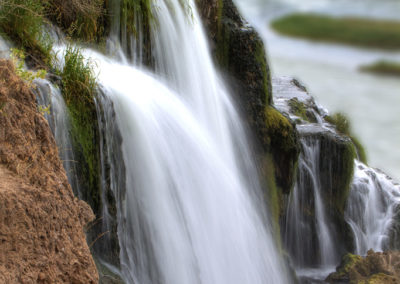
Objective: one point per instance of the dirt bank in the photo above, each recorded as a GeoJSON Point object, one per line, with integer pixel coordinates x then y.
{"type": "Point", "coordinates": [41, 222]}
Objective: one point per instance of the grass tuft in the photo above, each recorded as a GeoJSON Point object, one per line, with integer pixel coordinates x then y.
{"type": "Point", "coordinates": [78, 78]}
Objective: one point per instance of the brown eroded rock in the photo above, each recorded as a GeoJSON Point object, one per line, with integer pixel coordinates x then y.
{"type": "Point", "coordinates": [41, 222]}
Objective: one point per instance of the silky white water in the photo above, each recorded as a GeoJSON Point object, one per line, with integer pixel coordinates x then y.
{"type": "Point", "coordinates": [189, 208]}
{"type": "Point", "coordinates": [54, 109]}
{"type": "Point", "coordinates": [372, 209]}
{"type": "Point", "coordinates": [309, 239]}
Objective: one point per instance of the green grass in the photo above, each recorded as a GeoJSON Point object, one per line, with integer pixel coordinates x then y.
{"type": "Point", "coordinates": [352, 31]}
{"type": "Point", "coordinates": [383, 67]}
{"type": "Point", "coordinates": [78, 78]}
{"type": "Point", "coordinates": [79, 86]}
{"type": "Point", "coordinates": [23, 22]}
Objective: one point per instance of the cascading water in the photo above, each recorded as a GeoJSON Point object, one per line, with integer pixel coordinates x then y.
{"type": "Point", "coordinates": [372, 209]}
{"type": "Point", "coordinates": [308, 238]}
{"type": "Point", "coordinates": [188, 209]}
{"type": "Point", "coordinates": [373, 205]}
{"type": "Point", "coordinates": [52, 105]}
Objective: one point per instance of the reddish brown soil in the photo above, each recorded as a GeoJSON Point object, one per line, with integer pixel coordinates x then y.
{"type": "Point", "coordinates": [42, 236]}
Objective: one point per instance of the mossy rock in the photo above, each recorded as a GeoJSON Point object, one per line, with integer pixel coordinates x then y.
{"type": "Point", "coordinates": [342, 125]}
{"type": "Point", "coordinates": [300, 109]}
{"type": "Point", "coordinates": [376, 267]}
{"type": "Point", "coordinates": [347, 264]}
{"type": "Point", "coordinates": [284, 146]}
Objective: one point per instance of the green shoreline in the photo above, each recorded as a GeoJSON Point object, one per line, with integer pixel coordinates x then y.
{"type": "Point", "coordinates": [359, 32]}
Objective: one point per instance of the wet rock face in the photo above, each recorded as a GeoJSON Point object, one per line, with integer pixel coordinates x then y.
{"type": "Point", "coordinates": [41, 222]}
{"type": "Point", "coordinates": [334, 167]}
{"type": "Point", "coordinates": [336, 151]}
{"type": "Point", "coordinates": [376, 267]}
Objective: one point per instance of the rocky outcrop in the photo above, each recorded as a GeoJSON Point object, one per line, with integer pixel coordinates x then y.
{"type": "Point", "coordinates": [333, 172]}
{"type": "Point", "coordinates": [41, 222]}
{"type": "Point", "coordinates": [376, 267]}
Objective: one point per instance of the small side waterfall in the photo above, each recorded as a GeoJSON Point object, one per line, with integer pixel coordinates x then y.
{"type": "Point", "coordinates": [308, 236]}
{"type": "Point", "coordinates": [316, 232]}
{"type": "Point", "coordinates": [372, 208]}
{"type": "Point", "coordinates": [52, 105]}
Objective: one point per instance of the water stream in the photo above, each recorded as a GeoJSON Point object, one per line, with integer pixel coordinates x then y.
{"type": "Point", "coordinates": [372, 210]}
{"type": "Point", "coordinates": [189, 210]}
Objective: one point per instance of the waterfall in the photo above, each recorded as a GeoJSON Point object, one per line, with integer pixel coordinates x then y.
{"type": "Point", "coordinates": [189, 208]}
{"type": "Point", "coordinates": [308, 236]}
{"type": "Point", "coordinates": [54, 109]}
{"type": "Point", "coordinates": [372, 209]}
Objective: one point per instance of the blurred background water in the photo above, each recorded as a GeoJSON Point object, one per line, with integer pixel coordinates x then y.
{"type": "Point", "coordinates": [331, 71]}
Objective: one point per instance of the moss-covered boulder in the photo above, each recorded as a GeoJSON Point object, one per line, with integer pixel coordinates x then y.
{"type": "Point", "coordinates": [283, 140]}
{"type": "Point", "coordinates": [376, 267]}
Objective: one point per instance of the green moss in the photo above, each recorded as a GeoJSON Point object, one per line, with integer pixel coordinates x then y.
{"type": "Point", "coordinates": [342, 124]}
{"type": "Point", "coordinates": [272, 195]}
{"type": "Point", "coordinates": [348, 262]}
{"type": "Point", "coordinates": [361, 153]}
{"type": "Point", "coordinates": [259, 54]}
{"type": "Point", "coordinates": [279, 127]}
{"type": "Point", "coordinates": [348, 157]}
{"type": "Point", "coordinates": [379, 278]}
{"type": "Point", "coordinates": [23, 22]}
{"type": "Point", "coordinates": [299, 109]}
{"type": "Point", "coordinates": [367, 33]}
{"type": "Point", "coordinates": [348, 265]}
{"type": "Point", "coordinates": [283, 144]}
{"type": "Point", "coordinates": [383, 68]}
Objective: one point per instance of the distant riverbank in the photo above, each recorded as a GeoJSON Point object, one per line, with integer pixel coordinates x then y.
{"type": "Point", "coordinates": [363, 32]}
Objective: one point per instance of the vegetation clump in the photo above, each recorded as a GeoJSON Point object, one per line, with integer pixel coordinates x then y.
{"type": "Point", "coordinates": [80, 19]}
{"type": "Point", "coordinates": [23, 21]}
{"type": "Point", "coordinates": [18, 59]}
{"type": "Point", "coordinates": [342, 124]}
{"type": "Point", "coordinates": [79, 86]}
{"type": "Point", "coordinates": [383, 67]}
{"type": "Point", "coordinates": [362, 32]}
{"type": "Point", "coordinates": [376, 267]}
{"type": "Point", "coordinates": [78, 78]}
